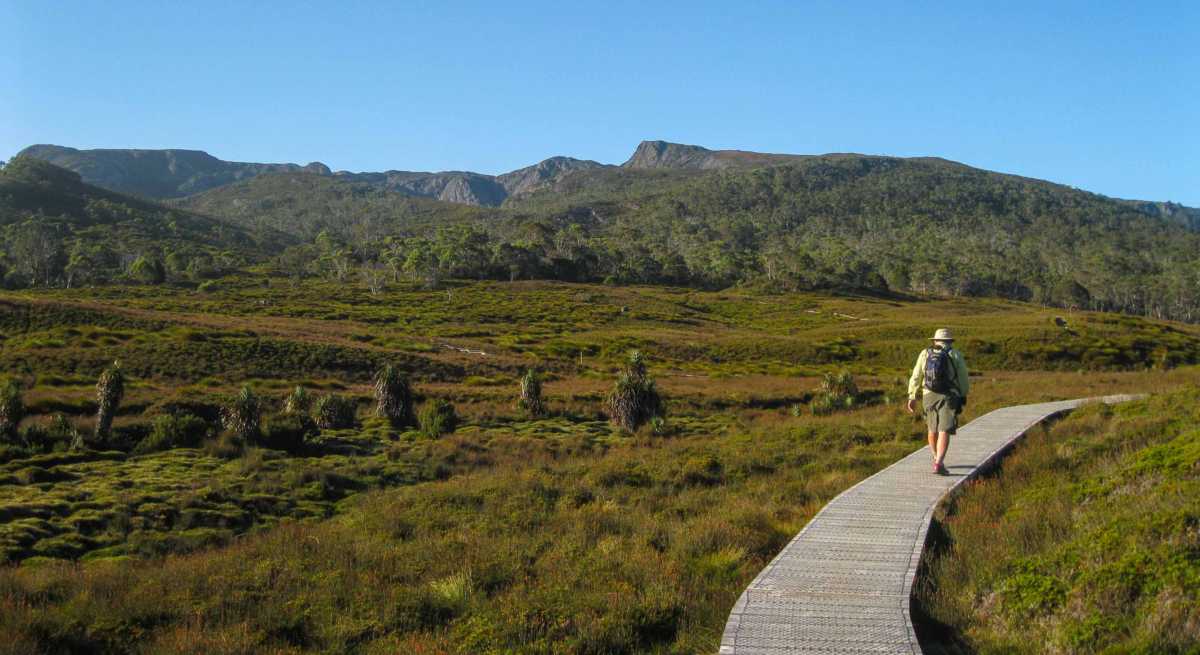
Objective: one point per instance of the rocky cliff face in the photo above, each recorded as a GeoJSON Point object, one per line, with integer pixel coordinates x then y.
{"type": "Point", "coordinates": [453, 186]}
{"type": "Point", "coordinates": [663, 154]}
{"type": "Point", "coordinates": [475, 188]}
{"type": "Point", "coordinates": [1186, 216]}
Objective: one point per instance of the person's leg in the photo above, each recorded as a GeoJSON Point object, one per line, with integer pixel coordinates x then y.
{"type": "Point", "coordinates": [929, 404]}
{"type": "Point", "coordinates": [943, 442]}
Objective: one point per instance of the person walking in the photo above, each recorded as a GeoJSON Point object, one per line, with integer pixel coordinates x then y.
{"type": "Point", "coordinates": [940, 375]}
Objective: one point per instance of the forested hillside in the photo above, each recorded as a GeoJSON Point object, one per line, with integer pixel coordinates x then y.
{"type": "Point", "coordinates": [304, 205]}
{"type": "Point", "coordinates": [920, 225]}
{"type": "Point", "coordinates": [879, 224]}
{"type": "Point", "coordinates": [57, 231]}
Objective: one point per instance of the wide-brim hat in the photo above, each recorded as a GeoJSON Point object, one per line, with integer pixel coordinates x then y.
{"type": "Point", "coordinates": [942, 335]}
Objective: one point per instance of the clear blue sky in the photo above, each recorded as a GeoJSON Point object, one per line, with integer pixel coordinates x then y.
{"type": "Point", "coordinates": [1100, 95]}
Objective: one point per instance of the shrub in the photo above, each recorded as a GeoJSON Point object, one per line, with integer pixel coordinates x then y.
{"type": "Point", "coordinates": [290, 432]}
{"type": "Point", "coordinates": [12, 410]}
{"type": "Point", "coordinates": [841, 384]}
{"type": "Point", "coordinates": [147, 271]}
{"type": "Point", "coordinates": [128, 436]}
{"type": "Point", "coordinates": [634, 399]}
{"type": "Point", "coordinates": [300, 402]}
{"type": "Point", "coordinates": [225, 446]}
{"type": "Point", "coordinates": [702, 471]}
{"type": "Point", "coordinates": [452, 594]}
{"type": "Point", "coordinates": [242, 415]}
{"type": "Point", "coordinates": [110, 389]}
{"type": "Point", "coordinates": [659, 426]}
{"type": "Point", "coordinates": [722, 566]}
{"type": "Point", "coordinates": [334, 412]}
{"type": "Point", "coordinates": [530, 399]}
{"type": "Point", "coordinates": [173, 431]}
{"type": "Point", "coordinates": [190, 402]}
{"type": "Point", "coordinates": [838, 391]}
{"type": "Point", "coordinates": [437, 418]}
{"type": "Point", "coordinates": [393, 396]}
{"type": "Point", "coordinates": [59, 434]}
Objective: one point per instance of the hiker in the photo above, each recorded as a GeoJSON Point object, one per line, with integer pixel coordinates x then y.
{"type": "Point", "coordinates": [941, 376]}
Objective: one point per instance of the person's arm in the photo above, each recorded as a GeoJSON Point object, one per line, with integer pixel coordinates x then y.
{"type": "Point", "coordinates": [962, 377]}
{"type": "Point", "coordinates": [918, 375]}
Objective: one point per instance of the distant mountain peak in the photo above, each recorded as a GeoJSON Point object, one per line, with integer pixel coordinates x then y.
{"type": "Point", "coordinates": [664, 154]}
{"type": "Point", "coordinates": [531, 178]}
{"type": "Point", "coordinates": [317, 168]}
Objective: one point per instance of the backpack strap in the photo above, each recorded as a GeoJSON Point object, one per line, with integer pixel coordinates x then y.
{"type": "Point", "coordinates": [953, 369]}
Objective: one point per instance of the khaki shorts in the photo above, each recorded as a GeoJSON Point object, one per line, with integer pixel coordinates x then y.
{"type": "Point", "coordinates": [941, 412]}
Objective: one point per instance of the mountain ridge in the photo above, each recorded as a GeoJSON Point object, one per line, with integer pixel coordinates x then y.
{"type": "Point", "coordinates": [155, 173]}
{"type": "Point", "coordinates": [164, 174]}
{"type": "Point", "coordinates": [846, 222]}
{"type": "Point", "coordinates": [171, 173]}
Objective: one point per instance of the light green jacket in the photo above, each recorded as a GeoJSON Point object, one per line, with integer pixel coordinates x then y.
{"type": "Point", "coordinates": [962, 384]}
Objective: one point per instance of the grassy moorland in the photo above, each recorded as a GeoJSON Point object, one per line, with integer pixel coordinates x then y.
{"type": "Point", "coordinates": [1087, 541]}
{"type": "Point", "coordinates": [513, 533]}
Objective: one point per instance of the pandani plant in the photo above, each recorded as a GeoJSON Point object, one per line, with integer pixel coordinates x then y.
{"type": "Point", "coordinates": [530, 399]}
{"type": "Point", "coordinates": [393, 396]}
{"type": "Point", "coordinates": [299, 402]}
{"type": "Point", "coordinates": [110, 390]}
{"type": "Point", "coordinates": [242, 415]}
{"type": "Point", "coordinates": [12, 409]}
{"type": "Point", "coordinates": [634, 400]}
{"type": "Point", "coordinates": [334, 412]}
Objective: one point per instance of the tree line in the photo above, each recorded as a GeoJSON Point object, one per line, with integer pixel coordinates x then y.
{"type": "Point", "coordinates": [834, 223]}
{"type": "Point", "coordinates": [865, 225]}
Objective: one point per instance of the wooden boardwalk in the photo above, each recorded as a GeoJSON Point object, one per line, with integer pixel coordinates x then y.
{"type": "Point", "coordinates": [843, 585]}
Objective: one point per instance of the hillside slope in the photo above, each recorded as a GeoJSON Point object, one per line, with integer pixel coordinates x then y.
{"type": "Point", "coordinates": [914, 225]}
{"type": "Point", "coordinates": [1085, 542]}
{"type": "Point", "coordinates": [57, 230]}
{"type": "Point", "coordinates": [305, 204]}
